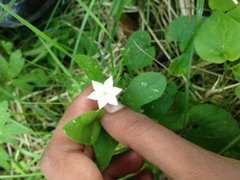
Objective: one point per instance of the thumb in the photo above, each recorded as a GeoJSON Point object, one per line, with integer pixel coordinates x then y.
{"type": "Point", "coordinates": [171, 153]}
{"type": "Point", "coordinates": [134, 130]}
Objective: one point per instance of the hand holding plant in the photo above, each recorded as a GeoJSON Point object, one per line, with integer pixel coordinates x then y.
{"type": "Point", "coordinates": [178, 158]}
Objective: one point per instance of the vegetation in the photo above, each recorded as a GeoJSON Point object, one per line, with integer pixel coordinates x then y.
{"type": "Point", "coordinates": [181, 56]}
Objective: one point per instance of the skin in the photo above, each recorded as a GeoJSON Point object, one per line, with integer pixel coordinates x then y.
{"type": "Point", "coordinates": [176, 157]}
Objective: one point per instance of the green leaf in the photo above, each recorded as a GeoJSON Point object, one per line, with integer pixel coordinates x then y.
{"type": "Point", "coordinates": [4, 159]}
{"type": "Point", "coordinates": [7, 46]}
{"type": "Point", "coordinates": [224, 5]}
{"type": "Point", "coordinates": [143, 89]}
{"type": "Point", "coordinates": [236, 71]}
{"type": "Point", "coordinates": [235, 13]}
{"type": "Point", "coordinates": [4, 115]}
{"type": "Point", "coordinates": [237, 92]}
{"type": "Point", "coordinates": [181, 30]}
{"type": "Point", "coordinates": [32, 79]}
{"type": "Point", "coordinates": [90, 67]}
{"type": "Point", "coordinates": [139, 52]}
{"type": "Point", "coordinates": [179, 65]}
{"type": "Point", "coordinates": [162, 105]}
{"type": "Point", "coordinates": [88, 45]}
{"type": "Point", "coordinates": [216, 41]}
{"type": "Point", "coordinates": [16, 63]}
{"type": "Point", "coordinates": [85, 128]}
{"type": "Point", "coordinates": [211, 127]}
{"type": "Point", "coordinates": [14, 128]}
{"type": "Point", "coordinates": [227, 6]}
{"type": "Point", "coordinates": [10, 69]}
{"type": "Point", "coordinates": [175, 119]}
{"type": "Point", "coordinates": [9, 128]}
{"type": "Point", "coordinates": [104, 149]}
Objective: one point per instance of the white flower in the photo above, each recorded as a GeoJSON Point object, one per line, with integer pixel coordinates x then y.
{"type": "Point", "coordinates": [105, 93]}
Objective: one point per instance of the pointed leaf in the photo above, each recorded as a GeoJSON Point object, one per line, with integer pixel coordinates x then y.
{"type": "Point", "coordinates": [4, 159]}
{"type": "Point", "coordinates": [85, 128]}
{"type": "Point", "coordinates": [104, 149]}
{"type": "Point", "coordinates": [16, 63]}
{"type": "Point", "coordinates": [90, 67]}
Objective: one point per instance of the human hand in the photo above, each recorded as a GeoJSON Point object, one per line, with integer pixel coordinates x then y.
{"type": "Point", "coordinates": [176, 157]}
{"type": "Point", "coordinates": [65, 159]}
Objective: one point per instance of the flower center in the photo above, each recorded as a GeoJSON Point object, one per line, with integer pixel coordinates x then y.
{"type": "Point", "coordinates": [105, 93]}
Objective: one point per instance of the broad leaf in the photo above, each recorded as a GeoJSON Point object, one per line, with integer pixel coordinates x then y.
{"type": "Point", "coordinates": [216, 41]}
{"type": "Point", "coordinates": [7, 46]}
{"type": "Point", "coordinates": [11, 68]}
{"type": "Point", "coordinates": [32, 79]}
{"type": "Point", "coordinates": [175, 119]}
{"type": "Point", "coordinates": [85, 128]}
{"type": "Point", "coordinates": [211, 126]}
{"type": "Point", "coordinates": [104, 149]}
{"type": "Point", "coordinates": [227, 6]}
{"type": "Point", "coordinates": [16, 63]}
{"type": "Point", "coordinates": [139, 52]}
{"type": "Point", "coordinates": [143, 89]}
{"type": "Point", "coordinates": [235, 13]}
{"type": "Point", "coordinates": [162, 105]}
{"type": "Point", "coordinates": [181, 30]}
{"type": "Point", "coordinates": [224, 5]}
{"type": "Point", "coordinates": [90, 67]}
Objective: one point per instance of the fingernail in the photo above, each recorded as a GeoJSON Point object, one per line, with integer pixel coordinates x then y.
{"type": "Point", "coordinates": [113, 109]}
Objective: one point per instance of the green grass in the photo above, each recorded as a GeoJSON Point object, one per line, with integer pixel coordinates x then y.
{"type": "Point", "coordinates": [93, 28]}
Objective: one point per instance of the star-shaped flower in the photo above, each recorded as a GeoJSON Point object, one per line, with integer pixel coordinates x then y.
{"type": "Point", "coordinates": [105, 93]}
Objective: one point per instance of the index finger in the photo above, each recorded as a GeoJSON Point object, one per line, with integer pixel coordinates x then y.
{"type": "Point", "coordinates": [80, 105]}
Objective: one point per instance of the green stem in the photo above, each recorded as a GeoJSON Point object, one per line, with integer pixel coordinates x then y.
{"type": "Point", "coordinates": [84, 22]}
{"type": "Point", "coordinates": [190, 48]}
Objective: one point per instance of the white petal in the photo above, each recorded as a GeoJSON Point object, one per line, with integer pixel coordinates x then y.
{"type": "Point", "coordinates": [101, 103]}
{"type": "Point", "coordinates": [97, 85]}
{"type": "Point", "coordinates": [113, 100]}
{"type": "Point", "coordinates": [109, 82]}
{"type": "Point", "coordinates": [93, 96]}
{"type": "Point", "coordinates": [115, 91]}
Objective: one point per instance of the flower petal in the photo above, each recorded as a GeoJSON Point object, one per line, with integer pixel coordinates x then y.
{"type": "Point", "coordinates": [113, 100]}
{"type": "Point", "coordinates": [101, 103]}
{"type": "Point", "coordinates": [93, 96]}
{"type": "Point", "coordinates": [109, 82]}
{"type": "Point", "coordinates": [115, 91]}
{"type": "Point", "coordinates": [97, 85]}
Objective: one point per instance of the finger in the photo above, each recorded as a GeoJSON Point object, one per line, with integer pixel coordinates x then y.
{"type": "Point", "coordinates": [65, 159]}
{"type": "Point", "coordinates": [80, 105]}
{"type": "Point", "coordinates": [88, 151]}
{"type": "Point", "coordinates": [123, 164]}
{"type": "Point", "coordinates": [143, 175]}
{"type": "Point", "coordinates": [153, 141]}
